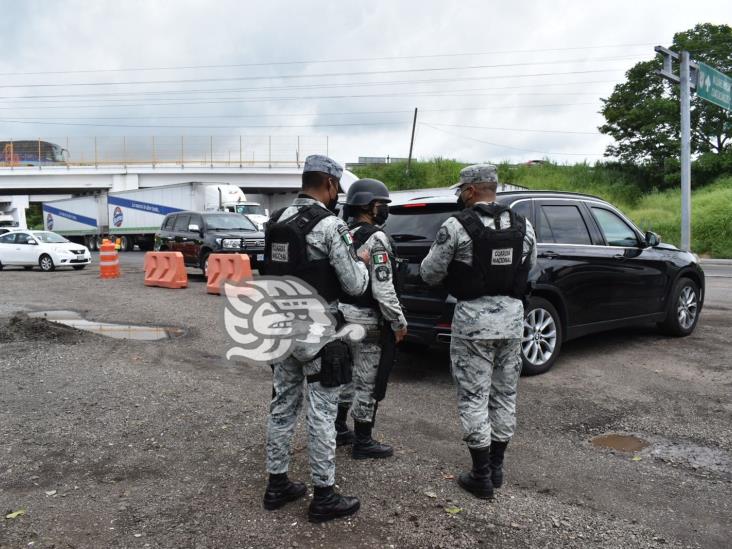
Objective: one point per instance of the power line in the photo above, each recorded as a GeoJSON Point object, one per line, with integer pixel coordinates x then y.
{"type": "Point", "coordinates": [273, 99]}
{"type": "Point", "coordinates": [507, 146]}
{"type": "Point", "coordinates": [176, 116]}
{"type": "Point", "coordinates": [464, 92]}
{"type": "Point", "coordinates": [317, 75]}
{"type": "Point", "coordinates": [312, 86]}
{"type": "Point", "coordinates": [320, 61]}
{"type": "Point", "coordinates": [508, 129]}
{"type": "Point", "coordinates": [383, 123]}
{"type": "Point", "coordinates": [390, 123]}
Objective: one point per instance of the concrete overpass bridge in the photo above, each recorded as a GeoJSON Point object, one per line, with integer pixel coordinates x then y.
{"type": "Point", "coordinates": [20, 186]}
{"type": "Point", "coordinates": [268, 169]}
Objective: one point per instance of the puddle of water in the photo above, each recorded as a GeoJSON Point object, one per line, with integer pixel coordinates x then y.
{"type": "Point", "coordinates": [622, 443]}
{"type": "Point", "coordinates": [109, 329]}
{"type": "Point", "coordinates": [714, 460]}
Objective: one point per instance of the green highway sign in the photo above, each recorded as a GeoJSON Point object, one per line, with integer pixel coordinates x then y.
{"type": "Point", "coordinates": [714, 86]}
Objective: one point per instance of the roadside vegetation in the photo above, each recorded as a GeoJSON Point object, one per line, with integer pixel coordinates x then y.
{"type": "Point", "coordinates": [623, 186]}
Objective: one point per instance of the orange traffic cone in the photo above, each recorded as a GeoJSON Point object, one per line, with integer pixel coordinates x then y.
{"type": "Point", "coordinates": [108, 260]}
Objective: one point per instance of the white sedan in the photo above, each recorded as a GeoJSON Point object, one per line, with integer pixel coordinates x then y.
{"type": "Point", "coordinates": [43, 248]}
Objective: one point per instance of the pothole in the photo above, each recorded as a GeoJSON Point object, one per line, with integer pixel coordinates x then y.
{"type": "Point", "coordinates": [712, 461]}
{"type": "Point", "coordinates": [621, 443]}
{"type": "Point", "coordinates": [109, 329]}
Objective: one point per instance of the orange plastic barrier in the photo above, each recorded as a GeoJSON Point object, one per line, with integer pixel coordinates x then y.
{"type": "Point", "coordinates": [108, 261]}
{"type": "Point", "coordinates": [227, 267]}
{"type": "Point", "coordinates": [165, 269]}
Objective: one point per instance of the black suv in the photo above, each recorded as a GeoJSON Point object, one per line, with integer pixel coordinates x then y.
{"type": "Point", "coordinates": [198, 234]}
{"type": "Point", "coordinates": [595, 271]}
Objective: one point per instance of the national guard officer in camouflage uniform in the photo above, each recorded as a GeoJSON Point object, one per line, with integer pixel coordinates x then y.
{"type": "Point", "coordinates": [485, 265]}
{"type": "Point", "coordinates": [331, 266]}
{"type": "Point", "coordinates": [378, 310]}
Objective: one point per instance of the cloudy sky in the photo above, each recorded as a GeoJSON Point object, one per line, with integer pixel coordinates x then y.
{"type": "Point", "coordinates": [492, 80]}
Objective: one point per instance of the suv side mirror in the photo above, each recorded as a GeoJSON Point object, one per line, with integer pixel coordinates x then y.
{"type": "Point", "coordinates": [194, 228]}
{"type": "Point", "coordinates": [652, 239]}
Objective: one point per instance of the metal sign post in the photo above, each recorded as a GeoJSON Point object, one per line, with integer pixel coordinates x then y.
{"type": "Point", "coordinates": [685, 152]}
{"type": "Point", "coordinates": [687, 82]}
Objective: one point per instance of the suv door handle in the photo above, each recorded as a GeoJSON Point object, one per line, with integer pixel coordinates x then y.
{"type": "Point", "coordinates": [549, 255]}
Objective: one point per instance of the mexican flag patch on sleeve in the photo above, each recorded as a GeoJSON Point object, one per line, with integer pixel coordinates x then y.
{"type": "Point", "coordinates": [379, 258]}
{"type": "Point", "coordinates": [345, 235]}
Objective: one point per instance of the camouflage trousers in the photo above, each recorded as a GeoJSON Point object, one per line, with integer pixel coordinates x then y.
{"type": "Point", "coordinates": [289, 378]}
{"type": "Point", "coordinates": [359, 393]}
{"type": "Point", "coordinates": [486, 373]}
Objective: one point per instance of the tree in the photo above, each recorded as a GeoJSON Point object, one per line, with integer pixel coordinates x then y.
{"type": "Point", "coordinates": [642, 113]}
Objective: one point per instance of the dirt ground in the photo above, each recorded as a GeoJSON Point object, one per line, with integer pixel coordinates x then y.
{"type": "Point", "coordinates": [112, 443]}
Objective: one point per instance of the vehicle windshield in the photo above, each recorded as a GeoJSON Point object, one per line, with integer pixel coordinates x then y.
{"type": "Point", "coordinates": [230, 222]}
{"type": "Point", "coordinates": [419, 223]}
{"type": "Point", "coordinates": [49, 238]}
{"type": "Point", "coordinates": [255, 209]}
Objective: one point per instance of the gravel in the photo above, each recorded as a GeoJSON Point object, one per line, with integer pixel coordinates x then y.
{"type": "Point", "coordinates": [109, 443]}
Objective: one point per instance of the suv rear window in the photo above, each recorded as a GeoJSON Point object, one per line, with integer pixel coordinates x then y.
{"type": "Point", "coordinates": [563, 225]}
{"type": "Point", "coordinates": [415, 223]}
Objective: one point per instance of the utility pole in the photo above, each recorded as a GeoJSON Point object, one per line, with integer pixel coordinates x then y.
{"type": "Point", "coordinates": [411, 142]}
{"type": "Point", "coordinates": [686, 80]}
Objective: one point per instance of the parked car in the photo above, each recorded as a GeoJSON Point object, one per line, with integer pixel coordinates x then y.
{"type": "Point", "coordinates": [198, 234]}
{"type": "Point", "coordinates": [596, 271]}
{"type": "Point", "coordinates": [44, 249]}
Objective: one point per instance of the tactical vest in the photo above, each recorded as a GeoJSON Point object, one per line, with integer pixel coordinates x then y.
{"type": "Point", "coordinates": [285, 251]}
{"type": "Point", "coordinates": [498, 267]}
{"type": "Point", "coordinates": [361, 232]}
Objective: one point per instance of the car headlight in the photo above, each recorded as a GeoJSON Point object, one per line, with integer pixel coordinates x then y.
{"type": "Point", "coordinates": [231, 243]}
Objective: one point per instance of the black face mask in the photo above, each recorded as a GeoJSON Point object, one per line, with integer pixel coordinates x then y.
{"type": "Point", "coordinates": [333, 203]}
{"type": "Point", "coordinates": [461, 203]}
{"type": "Point", "coordinates": [381, 214]}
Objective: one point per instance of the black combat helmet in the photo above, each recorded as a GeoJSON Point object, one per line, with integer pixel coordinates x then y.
{"type": "Point", "coordinates": [364, 191]}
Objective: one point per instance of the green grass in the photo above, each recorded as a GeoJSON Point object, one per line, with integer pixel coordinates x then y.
{"type": "Point", "coordinates": [711, 217]}
{"type": "Point", "coordinates": [660, 212]}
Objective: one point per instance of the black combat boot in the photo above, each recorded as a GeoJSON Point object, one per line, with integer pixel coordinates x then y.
{"type": "Point", "coordinates": [344, 436]}
{"type": "Point", "coordinates": [366, 447]}
{"type": "Point", "coordinates": [281, 490]}
{"type": "Point", "coordinates": [497, 451]}
{"type": "Point", "coordinates": [329, 505]}
{"type": "Point", "coordinates": [478, 481]}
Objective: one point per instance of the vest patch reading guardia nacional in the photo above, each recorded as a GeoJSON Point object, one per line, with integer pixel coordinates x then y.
{"type": "Point", "coordinates": [502, 256]}
{"type": "Point", "coordinates": [280, 252]}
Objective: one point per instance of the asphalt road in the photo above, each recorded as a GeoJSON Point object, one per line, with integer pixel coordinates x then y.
{"type": "Point", "coordinates": [107, 443]}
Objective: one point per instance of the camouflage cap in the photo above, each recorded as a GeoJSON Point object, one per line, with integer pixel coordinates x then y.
{"type": "Point", "coordinates": [477, 173]}
{"type": "Point", "coordinates": [322, 163]}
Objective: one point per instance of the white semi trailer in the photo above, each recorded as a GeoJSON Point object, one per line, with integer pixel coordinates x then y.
{"type": "Point", "coordinates": [134, 216]}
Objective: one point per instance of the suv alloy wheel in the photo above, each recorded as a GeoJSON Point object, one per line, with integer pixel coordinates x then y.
{"type": "Point", "coordinates": [542, 338]}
